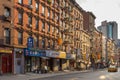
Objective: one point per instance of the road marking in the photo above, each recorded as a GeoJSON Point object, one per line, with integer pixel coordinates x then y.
{"type": "Point", "coordinates": [102, 77]}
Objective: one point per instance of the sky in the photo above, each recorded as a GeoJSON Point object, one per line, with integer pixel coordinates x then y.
{"type": "Point", "coordinates": [103, 10]}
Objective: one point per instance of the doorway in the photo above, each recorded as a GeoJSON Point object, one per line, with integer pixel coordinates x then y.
{"type": "Point", "coordinates": [6, 63]}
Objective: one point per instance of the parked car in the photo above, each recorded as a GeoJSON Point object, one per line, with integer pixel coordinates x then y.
{"type": "Point", "coordinates": [112, 68]}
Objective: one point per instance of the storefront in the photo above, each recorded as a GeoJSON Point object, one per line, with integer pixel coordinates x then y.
{"type": "Point", "coordinates": [6, 60]}
{"type": "Point", "coordinates": [18, 61]}
{"type": "Point", "coordinates": [69, 59]}
{"type": "Point", "coordinates": [33, 59]}
{"type": "Point", "coordinates": [72, 61]}
{"type": "Point", "coordinates": [63, 60]}
{"type": "Point", "coordinates": [56, 61]}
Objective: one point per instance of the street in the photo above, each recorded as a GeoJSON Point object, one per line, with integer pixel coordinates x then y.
{"type": "Point", "coordinates": [91, 75]}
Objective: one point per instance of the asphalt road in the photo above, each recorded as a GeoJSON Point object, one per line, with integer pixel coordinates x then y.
{"type": "Point", "coordinates": [91, 75]}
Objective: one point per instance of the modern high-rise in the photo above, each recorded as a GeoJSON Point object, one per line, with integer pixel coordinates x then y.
{"type": "Point", "coordinates": [109, 30]}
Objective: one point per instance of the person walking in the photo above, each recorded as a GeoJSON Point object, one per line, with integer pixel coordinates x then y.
{"type": "Point", "coordinates": [46, 68]}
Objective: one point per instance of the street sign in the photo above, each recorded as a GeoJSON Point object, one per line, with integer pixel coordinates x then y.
{"type": "Point", "coordinates": [30, 42]}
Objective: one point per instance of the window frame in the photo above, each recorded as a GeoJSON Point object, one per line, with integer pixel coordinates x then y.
{"type": "Point", "coordinates": [7, 12]}
{"type": "Point", "coordinates": [37, 24]}
{"type": "Point", "coordinates": [29, 20]}
{"type": "Point", "coordinates": [29, 2]}
{"type": "Point", "coordinates": [7, 35]}
{"type": "Point", "coordinates": [20, 17]}
{"type": "Point", "coordinates": [20, 38]}
{"type": "Point", "coordinates": [43, 43]}
{"type": "Point", "coordinates": [20, 1]}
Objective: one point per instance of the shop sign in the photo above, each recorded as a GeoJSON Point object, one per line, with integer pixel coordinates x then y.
{"type": "Point", "coordinates": [43, 53]}
{"type": "Point", "coordinates": [30, 42]}
{"type": "Point", "coordinates": [62, 54]}
{"type": "Point", "coordinates": [37, 53]}
{"type": "Point", "coordinates": [5, 51]}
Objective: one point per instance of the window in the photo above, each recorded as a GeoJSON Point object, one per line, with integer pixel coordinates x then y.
{"type": "Point", "coordinates": [53, 44]}
{"type": "Point", "coordinates": [57, 18]}
{"type": "Point", "coordinates": [43, 25]}
{"type": "Point", "coordinates": [20, 38]}
{"type": "Point", "coordinates": [30, 21]}
{"type": "Point", "coordinates": [7, 35]}
{"type": "Point", "coordinates": [52, 1]}
{"type": "Point", "coordinates": [57, 31]}
{"type": "Point", "coordinates": [43, 43]}
{"type": "Point", "coordinates": [53, 15]}
{"type": "Point", "coordinates": [30, 2]}
{"type": "Point", "coordinates": [52, 29]}
{"type": "Point", "coordinates": [20, 18]}
{"type": "Point", "coordinates": [37, 41]}
{"type": "Point", "coordinates": [48, 27]}
{"type": "Point", "coordinates": [43, 9]}
{"type": "Point", "coordinates": [7, 12]}
{"type": "Point", "coordinates": [57, 3]}
{"type": "Point", "coordinates": [37, 6]}
{"type": "Point", "coordinates": [49, 44]}
{"type": "Point", "coordinates": [20, 1]}
{"type": "Point", "coordinates": [48, 12]}
{"type": "Point", "coordinates": [37, 24]}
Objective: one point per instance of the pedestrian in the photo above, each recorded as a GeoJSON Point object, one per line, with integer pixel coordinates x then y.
{"type": "Point", "coordinates": [42, 68]}
{"type": "Point", "coordinates": [46, 69]}
{"type": "Point", "coordinates": [0, 71]}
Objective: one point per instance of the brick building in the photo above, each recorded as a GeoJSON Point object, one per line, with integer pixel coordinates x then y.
{"type": "Point", "coordinates": [31, 31]}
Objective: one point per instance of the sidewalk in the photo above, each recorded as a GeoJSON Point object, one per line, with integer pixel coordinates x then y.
{"type": "Point", "coordinates": [29, 76]}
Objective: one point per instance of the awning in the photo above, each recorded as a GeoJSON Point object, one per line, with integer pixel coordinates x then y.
{"type": "Point", "coordinates": [53, 54]}
{"type": "Point", "coordinates": [70, 56]}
